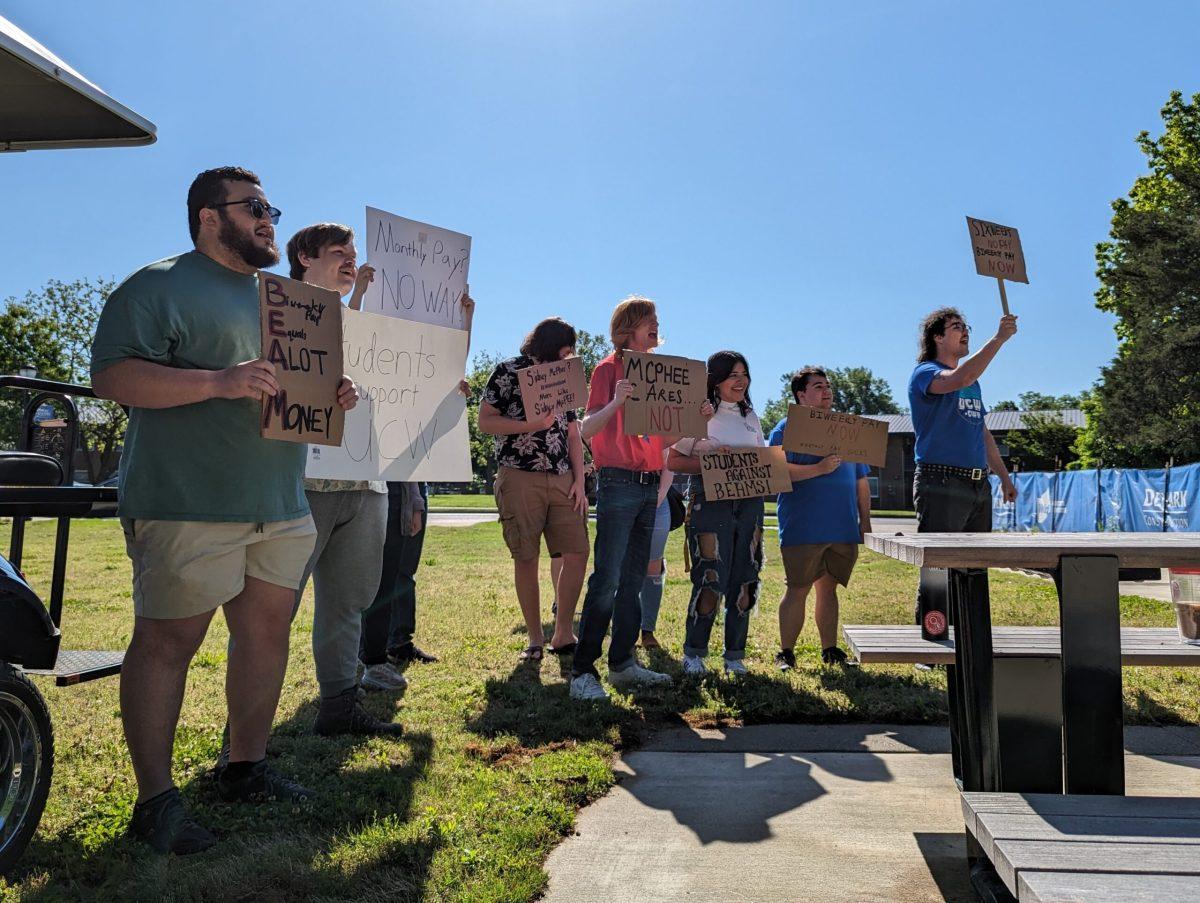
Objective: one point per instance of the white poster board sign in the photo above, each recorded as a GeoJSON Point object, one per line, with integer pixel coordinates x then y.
{"type": "Point", "coordinates": [420, 270]}
{"type": "Point", "coordinates": [410, 422]}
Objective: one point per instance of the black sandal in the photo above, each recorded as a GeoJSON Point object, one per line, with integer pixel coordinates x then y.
{"type": "Point", "coordinates": [568, 649]}
{"type": "Point", "coordinates": [532, 654]}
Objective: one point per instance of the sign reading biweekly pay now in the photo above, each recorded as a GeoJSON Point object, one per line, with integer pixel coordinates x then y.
{"type": "Point", "coordinates": [420, 270]}
{"type": "Point", "coordinates": [302, 337]}
{"type": "Point", "coordinates": [557, 386]}
{"type": "Point", "coordinates": [744, 473]}
{"type": "Point", "coordinates": [811, 431]}
{"type": "Point", "coordinates": [997, 250]}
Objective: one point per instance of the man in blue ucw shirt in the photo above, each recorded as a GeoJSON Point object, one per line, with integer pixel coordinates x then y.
{"type": "Point", "coordinates": [954, 450]}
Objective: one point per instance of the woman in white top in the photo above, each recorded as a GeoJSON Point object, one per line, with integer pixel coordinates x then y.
{"type": "Point", "coordinates": [724, 537]}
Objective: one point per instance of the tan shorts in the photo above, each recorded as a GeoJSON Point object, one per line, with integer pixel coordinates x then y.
{"type": "Point", "coordinates": [804, 565]}
{"type": "Point", "coordinates": [183, 568]}
{"type": "Point", "coordinates": [533, 505]}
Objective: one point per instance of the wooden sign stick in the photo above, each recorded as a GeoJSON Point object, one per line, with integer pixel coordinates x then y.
{"type": "Point", "coordinates": [1003, 296]}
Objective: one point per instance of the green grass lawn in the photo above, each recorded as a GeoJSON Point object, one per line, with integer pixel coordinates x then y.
{"type": "Point", "coordinates": [496, 759]}
{"type": "Point", "coordinates": [488, 501]}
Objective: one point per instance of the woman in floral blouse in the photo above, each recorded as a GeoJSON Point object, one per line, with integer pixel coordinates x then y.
{"type": "Point", "coordinates": [539, 487]}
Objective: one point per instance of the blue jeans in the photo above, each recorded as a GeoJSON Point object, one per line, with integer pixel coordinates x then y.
{"type": "Point", "coordinates": [652, 587]}
{"type": "Point", "coordinates": [725, 541]}
{"type": "Point", "coordinates": [624, 524]}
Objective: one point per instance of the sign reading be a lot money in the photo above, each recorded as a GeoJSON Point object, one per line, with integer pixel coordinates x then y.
{"type": "Point", "coordinates": [302, 336]}
{"type": "Point", "coordinates": [744, 473]}
{"type": "Point", "coordinates": [811, 431]}
{"type": "Point", "coordinates": [557, 386]}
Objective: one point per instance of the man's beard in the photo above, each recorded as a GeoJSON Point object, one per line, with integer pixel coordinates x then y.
{"type": "Point", "coordinates": [242, 244]}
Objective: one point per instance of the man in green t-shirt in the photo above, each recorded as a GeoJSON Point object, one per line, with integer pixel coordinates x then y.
{"type": "Point", "coordinates": [214, 515]}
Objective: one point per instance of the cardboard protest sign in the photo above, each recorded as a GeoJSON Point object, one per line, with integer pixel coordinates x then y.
{"type": "Point", "coordinates": [302, 336]}
{"type": "Point", "coordinates": [744, 473]}
{"type": "Point", "coordinates": [420, 270]}
{"type": "Point", "coordinates": [811, 431]}
{"type": "Point", "coordinates": [997, 250]}
{"type": "Point", "coordinates": [668, 393]}
{"type": "Point", "coordinates": [410, 422]}
{"type": "Point", "coordinates": [554, 386]}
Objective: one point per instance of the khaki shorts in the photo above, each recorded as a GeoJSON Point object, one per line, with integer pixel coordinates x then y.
{"type": "Point", "coordinates": [533, 505]}
{"type": "Point", "coordinates": [804, 565]}
{"type": "Point", "coordinates": [183, 568]}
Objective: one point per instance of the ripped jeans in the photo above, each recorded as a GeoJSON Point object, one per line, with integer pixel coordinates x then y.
{"type": "Point", "coordinates": [725, 542]}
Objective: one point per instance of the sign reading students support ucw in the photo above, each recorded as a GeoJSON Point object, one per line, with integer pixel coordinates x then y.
{"type": "Point", "coordinates": [1131, 501]}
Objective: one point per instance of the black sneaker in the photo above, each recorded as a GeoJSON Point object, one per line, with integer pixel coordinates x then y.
{"type": "Point", "coordinates": [410, 653]}
{"type": "Point", "coordinates": [785, 659]}
{"type": "Point", "coordinates": [835, 656]}
{"type": "Point", "coordinates": [166, 825]}
{"type": "Point", "coordinates": [258, 783]}
{"type": "Point", "coordinates": [344, 714]}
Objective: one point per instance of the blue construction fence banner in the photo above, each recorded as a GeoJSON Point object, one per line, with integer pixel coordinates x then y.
{"type": "Point", "coordinates": [1080, 501]}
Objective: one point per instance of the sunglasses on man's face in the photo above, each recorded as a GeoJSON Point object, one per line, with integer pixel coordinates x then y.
{"type": "Point", "coordinates": [257, 209]}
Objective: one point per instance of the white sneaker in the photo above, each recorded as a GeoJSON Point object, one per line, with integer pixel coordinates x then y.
{"type": "Point", "coordinates": [383, 677]}
{"type": "Point", "coordinates": [635, 676]}
{"type": "Point", "coordinates": [586, 687]}
{"type": "Point", "coordinates": [735, 666]}
{"type": "Point", "coordinates": [694, 664]}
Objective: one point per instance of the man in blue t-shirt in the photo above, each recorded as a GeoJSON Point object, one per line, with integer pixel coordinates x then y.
{"type": "Point", "coordinates": [954, 449]}
{"type": "Point", "coordinates": [821, 522]}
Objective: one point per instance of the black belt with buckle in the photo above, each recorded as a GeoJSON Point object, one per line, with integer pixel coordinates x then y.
{"type": "Point", "coordinates": [966, 473]}
{"type": "Point", "coordinates": [642, 477]}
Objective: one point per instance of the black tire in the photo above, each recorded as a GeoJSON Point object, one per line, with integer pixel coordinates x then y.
{"type": "Point", "coordinates": [26, 763]}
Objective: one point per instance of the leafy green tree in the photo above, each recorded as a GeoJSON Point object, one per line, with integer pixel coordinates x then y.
{"type": "Point", "coordinates": [26, 340]}
{"type": "Point", "coordinates": [1146, 406]}
{"type": "Point", "coordinates": [1036, 401]}
{"type": "Point", "coordinates": [63, 316]}
{"type": "Point", "coordinates": [1046, 443]}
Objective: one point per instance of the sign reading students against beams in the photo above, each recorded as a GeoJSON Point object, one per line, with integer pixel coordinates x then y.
{"type": "Point", "coordinates": [420, 270]}
{"type": "Point", "coordinates": [557, 386]}
{"type": "Point", "coordinates": [811, 431]}
{"type": "Point", "coordinates": [301, 336]}
{"type": "Point", "coordinates": [668, 393]}
{"type": "Point", "coordinates": [410, 422]}
{"type": "Point", "coordinates": [744, 473]}
{"type": "Point", "coordinates": [997, 251]}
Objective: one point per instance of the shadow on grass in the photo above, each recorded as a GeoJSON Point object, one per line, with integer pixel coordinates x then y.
{"type": "Point", "coordinates": [357, 839]}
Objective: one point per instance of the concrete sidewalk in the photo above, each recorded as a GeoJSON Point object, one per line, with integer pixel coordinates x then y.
{"type": "Point", "coordinates": [801, 812]}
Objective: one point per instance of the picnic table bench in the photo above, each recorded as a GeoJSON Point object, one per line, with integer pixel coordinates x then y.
{"type": "Point", "coordinates": [1048, 718]}
{"type": "Point", "coordinates": [1052, 848]}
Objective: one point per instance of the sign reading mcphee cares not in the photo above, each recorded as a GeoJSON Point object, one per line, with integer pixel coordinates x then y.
{"type": "Point", "coordinates": [553, 386]}
{"type": "Point", "coordinates": [744, 473]}
{"type": "Point", "coordinates": [668, 393]}
{"type": "Point", "coordinates": [811, 431]}
{"type": "Point", "coordinates": [302, 337]}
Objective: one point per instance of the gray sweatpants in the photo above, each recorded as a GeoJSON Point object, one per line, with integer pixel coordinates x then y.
{"type": "Point", "coordinates": [345, 565]}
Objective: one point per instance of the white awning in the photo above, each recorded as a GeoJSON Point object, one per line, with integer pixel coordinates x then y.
{"type": "Point", "coordinates": [44, 103]}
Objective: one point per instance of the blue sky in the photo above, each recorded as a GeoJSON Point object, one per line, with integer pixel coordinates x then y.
{"type": "Point", "coordinates": [786, 179]}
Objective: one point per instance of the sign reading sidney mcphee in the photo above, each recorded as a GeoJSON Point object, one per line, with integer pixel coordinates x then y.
{"type": "Point", "coordinates": [811, 431]}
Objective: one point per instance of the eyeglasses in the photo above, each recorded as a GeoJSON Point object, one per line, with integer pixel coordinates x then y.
{"type": "Point", "coordinates": [962, 327]}
{"type": "Point", "coordinates": [257, 209]}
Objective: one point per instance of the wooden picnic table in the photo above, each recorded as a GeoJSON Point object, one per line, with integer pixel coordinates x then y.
{"type": "Point", "coordinates": [1085, 567]}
